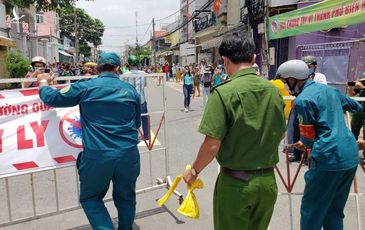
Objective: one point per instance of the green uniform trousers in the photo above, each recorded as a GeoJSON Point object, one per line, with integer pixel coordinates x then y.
{"type": "Point", "coordinates": [358, 122]}
{"type": "Point", "coordinates": [324, 199]}
{"type": "Point", "coordinates": [240, 205]}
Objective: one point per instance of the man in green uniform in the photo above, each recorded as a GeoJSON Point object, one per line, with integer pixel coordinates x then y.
{"type": "Point", "coordinates": [243, 124]}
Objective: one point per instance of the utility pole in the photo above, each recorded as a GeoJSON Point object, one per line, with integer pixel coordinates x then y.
{"type": "Point", "coordinates": [154, 43]}
{"type": "Point", "coordinates": [76, 34]}
{"type": "Point", "coordinates": [136, 14]}
{"type": "Point", "coordinates": [187, 19]}
{"type": "Point", "coordinates": [265, 42]}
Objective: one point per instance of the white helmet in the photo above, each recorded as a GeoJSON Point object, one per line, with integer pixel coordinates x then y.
{"type": "Point", "coordinates": [297, 69]}
{"type": "Point", "coordinates": [38, 59]}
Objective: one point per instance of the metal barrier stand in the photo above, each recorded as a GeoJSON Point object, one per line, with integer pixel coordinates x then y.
{"type": "Point", "coordinates": [159, 183]}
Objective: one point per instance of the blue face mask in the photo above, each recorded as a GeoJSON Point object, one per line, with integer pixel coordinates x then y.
{"type": "Point", "coordinates": [134, 71]}
{"type": "Point", "coordinates": [310, 71]}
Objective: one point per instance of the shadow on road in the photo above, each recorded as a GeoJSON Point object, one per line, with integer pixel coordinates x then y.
{"type": "Point", "coordinates": [139, 215]}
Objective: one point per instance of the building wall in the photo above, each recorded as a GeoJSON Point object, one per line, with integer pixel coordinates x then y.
{"type": "Point", "coordinates": [2, 19]}
{"type": "Point", "coordinates": [49, 27]}
{"type": "Point", "coordinates": [233, 12]}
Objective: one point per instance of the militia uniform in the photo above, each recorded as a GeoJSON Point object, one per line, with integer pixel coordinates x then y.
{"type": "Point", "coordinates": [246, 114]}
{"type": "Point", "coordinates": [110, 115]}
{"type": "Point", "coordinates": [334, 151]}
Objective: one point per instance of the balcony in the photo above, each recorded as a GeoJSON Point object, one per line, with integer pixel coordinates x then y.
{"type": "Point", "coordinates": [204, 22]}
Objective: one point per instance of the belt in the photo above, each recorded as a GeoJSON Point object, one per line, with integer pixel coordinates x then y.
{"type": "Point", "coordinates": [245, 175]}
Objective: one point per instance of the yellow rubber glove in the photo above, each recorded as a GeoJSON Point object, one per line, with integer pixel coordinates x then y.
{"type": "Point", "coordinates": [171, 190]}
{"type": "Point", "coordinates": [189, 207]}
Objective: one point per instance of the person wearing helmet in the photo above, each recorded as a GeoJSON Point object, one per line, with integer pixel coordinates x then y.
{"type": "Point", "coordinates": [110, 116]}
{"type": "Point", "coordinates": [358, 119]}
{"type": "Point", "coordinates": [311, 62]}
{"type": "Point", "coordinates": [38, 66]}
{"type": "Point", "coordinates": [243, 124]}
{"type": "Point", "coordinates": [334, 151]}
{"type": "Point", "coordinates": [218, 76]}
{"type": "Point", "coordinates": [137, 80]}
{"type": "Point", "coordinates": [293, 135]}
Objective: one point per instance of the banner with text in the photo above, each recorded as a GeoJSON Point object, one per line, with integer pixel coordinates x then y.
{"type": "Point", "coordinates": [34, 136]}
{"type": "Point", "coordinates": [321, 16]}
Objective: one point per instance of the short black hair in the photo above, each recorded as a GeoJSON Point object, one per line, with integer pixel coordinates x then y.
{"type": "Point", "coordinates": [107, 67]}
{"type": "Point", "coordinates": [238, 48]}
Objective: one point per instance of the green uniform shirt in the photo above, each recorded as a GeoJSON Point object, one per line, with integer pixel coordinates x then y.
{"type": "Point", "coordinates": [247, 115]}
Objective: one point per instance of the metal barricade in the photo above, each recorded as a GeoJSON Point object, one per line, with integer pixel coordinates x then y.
{"type": "Point", "coordinates": [55, 174]}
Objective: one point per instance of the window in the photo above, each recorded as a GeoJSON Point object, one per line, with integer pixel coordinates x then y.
{"type": "Point", "coordinates": [40, 18]}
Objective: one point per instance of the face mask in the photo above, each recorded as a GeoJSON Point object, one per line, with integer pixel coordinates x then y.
{"type": "Point", "coordinates": [310, 71]}
{"type": "Point", "coordinates": [293, 91]}
{"type": "Point", "coordinates": [219, 70]}
{"type": "Point", "coordinates": [134, 71]}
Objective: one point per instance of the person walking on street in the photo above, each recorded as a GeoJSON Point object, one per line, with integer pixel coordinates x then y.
{"type": "Point", "coordinates": [110, 112]}
{"type": "Point", "coordinates": [334, 150]}
{"type": "Point", "coordinates": [197, 78]}
{"type": "Point", "coordinates": [218, 76]}
{"type": "Point", "coordinates": [159, 70]}
{"type": "Point", "coordinates": [187, 87]}
{"type": "Point", "coordinates": [166, 70]}
{"type": "Point", "coordinates": [174, 70]}
{"type": "Point", "coordinates": [243, 124]}
{"type": "Point", "coordinates": [139, 82]}
{"type": "Point", "coordinates": [207, 85]}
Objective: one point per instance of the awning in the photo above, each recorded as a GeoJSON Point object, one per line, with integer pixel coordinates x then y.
{"type": "Point", "coordinates": [4, 41]}
{"type": "Point", "coordinates": [64, 53]}
{"type": "Point", "coordinates": [215, 42]}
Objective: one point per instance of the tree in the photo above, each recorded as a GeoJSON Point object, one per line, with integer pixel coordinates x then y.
{"type": "Point", "coordinates": [89, 30]}
{"type": "Point", "coordinates": [142, 52]}
{"type": "Point", "coordinates": [17, 66]}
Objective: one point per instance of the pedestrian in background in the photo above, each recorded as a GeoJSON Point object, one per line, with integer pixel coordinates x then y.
{"type": "Point", "coordinates": [109, 137]}
{"type": "Point", "coordinates": [187, 87]}
{"type": "Point", "coordinates": [197, 79]}
{"type": "Point", "coordinates": [159, 70]}
{"type": "Point", "coordinates": [138, 81]}
{"type": "Point", "coordinates": [173, 69]}
{"type": "Point", "coordinates": [179, 73]}
{"type": "Point", "coordinates": [334, 150]}
{"type": "Point", "coordinates": [207, 84]}
{"type": "Point", "coordinates": [218, 76]}
{"type": "Point", "coordinates": [243, 124]}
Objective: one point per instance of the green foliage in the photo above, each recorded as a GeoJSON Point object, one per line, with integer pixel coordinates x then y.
{"type": "Point", "coordinates": [141, 52]}
{"type": "Point", "coordinates": [16, 64]}
{"type": "Point", "coordinates": [89, 30]}
{"type": "Point", "coordinates": [85, 50]}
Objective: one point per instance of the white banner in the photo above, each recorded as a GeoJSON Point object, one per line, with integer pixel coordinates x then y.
{"type": "Point", "coordinates": [34, 136]}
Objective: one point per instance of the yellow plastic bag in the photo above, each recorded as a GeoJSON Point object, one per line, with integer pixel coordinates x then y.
{"type": "Point", "coordinates": [189, 207]}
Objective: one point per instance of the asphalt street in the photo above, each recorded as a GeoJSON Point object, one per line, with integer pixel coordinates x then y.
{"type": "Point", "coordinates": [182, 141]}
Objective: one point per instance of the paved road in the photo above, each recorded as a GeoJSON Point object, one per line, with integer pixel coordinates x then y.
{"type": "Point", "coordinates": [183, 142]}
